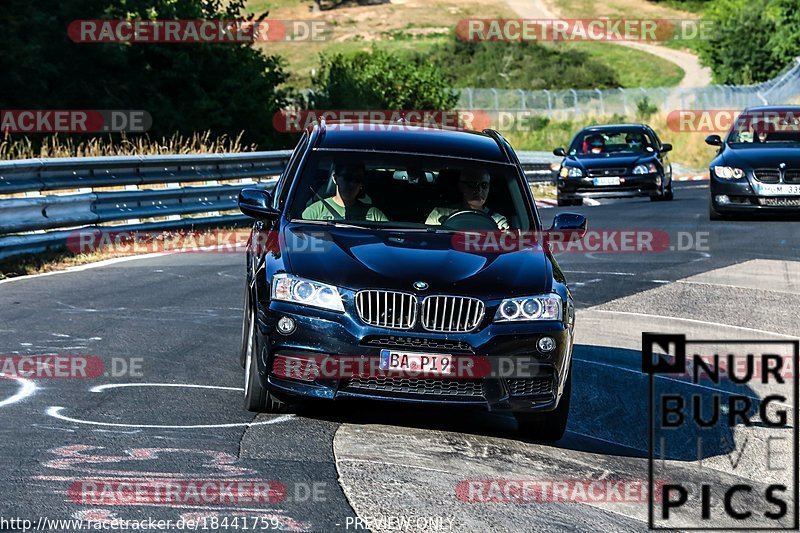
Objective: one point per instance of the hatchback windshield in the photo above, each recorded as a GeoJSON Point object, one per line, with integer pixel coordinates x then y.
{"type": "Point", "coordinates": [625, 141]}
{"type": "Point", "coordinates": [410, 191]}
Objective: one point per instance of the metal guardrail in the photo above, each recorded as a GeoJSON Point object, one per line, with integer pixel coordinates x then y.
{"type": "Point", "coordinates": [32, 222]}
{"type": "Point", "coordinates": [100, 190]}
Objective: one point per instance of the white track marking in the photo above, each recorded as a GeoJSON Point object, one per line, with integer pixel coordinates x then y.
{"type": "Point", "coordinates": [693, 321]}
{"type": "Point", "coordinates": [732, 286]}
{"type": "Point", "coordinates": [100, 388]}
{"type": "Point", "coordinates": [26, 389]}
{"type": "Point", "coordinates": [55, 412]}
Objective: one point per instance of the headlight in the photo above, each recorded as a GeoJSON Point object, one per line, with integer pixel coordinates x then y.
{"type": "Point", "coordinates": [728, 173]}
{"type": "Point", "coordinates": [649, 168]}
{"type": "Point", "coordinates": [289, 288]}
{"type": "Point", "coordinates": [529, 308]}
{"type": "Point", "coordinates": [571, 172]}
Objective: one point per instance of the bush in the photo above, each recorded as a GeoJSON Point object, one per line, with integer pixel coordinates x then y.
{"type": "Point", "coordinates": [380, 80]}
{"type": "Point", "coordinates": [520, 65]}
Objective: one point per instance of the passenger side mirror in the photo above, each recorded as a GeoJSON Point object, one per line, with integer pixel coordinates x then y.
{"type": "Point", "coordinates": [570, 222]}
{"type": "Point", "coordinates": [666, 147]}
{"type": "Point", "coordinates": [257, 203]}
{"type": "Point", "coordinates": [560, 152]}
{"type": "Point", "coordinates": [714, 140]}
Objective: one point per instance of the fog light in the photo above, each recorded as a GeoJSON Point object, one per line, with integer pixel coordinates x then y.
{"type": "Point", "coordinates": [286, 325]}
{"type": "Point", "coordinates": [658, 180]}
{"type": "Point", "coordinates": [546, 344]}
{"type": "Point", "coordinates": [722, 199]}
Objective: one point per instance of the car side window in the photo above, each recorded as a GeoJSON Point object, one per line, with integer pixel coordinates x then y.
{"type": "Point", "coordinates": [282, 189]}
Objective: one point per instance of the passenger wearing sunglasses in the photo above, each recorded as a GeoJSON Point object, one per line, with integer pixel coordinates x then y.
{"type": "Point", "coordinates": [474, 188]}
{"type": "Point", "coordinates": [345, 204]}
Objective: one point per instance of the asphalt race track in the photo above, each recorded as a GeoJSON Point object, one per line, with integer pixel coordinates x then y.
{"type": "Point", "coordinates": [177, 414]}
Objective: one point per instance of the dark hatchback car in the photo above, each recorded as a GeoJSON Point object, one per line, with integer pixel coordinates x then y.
{"type": "Point", "coordinates": [361, 258]}
{"type": "Point", "coordinates": [757, 167]}
{"type": "Point", "coordinates": [614, 161]}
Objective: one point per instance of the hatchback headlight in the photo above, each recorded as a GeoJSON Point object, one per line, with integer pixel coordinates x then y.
{"type": "Point", "coordinates": [529, 308]}
{"type": "Point", "coordinates": [649, 168]}
{"type": "Point", "coordinates": [570, 172]}
{"type": "Point", "coordinates": [728, 173]}
{"type": "Point", "coordinates": [288, 288]}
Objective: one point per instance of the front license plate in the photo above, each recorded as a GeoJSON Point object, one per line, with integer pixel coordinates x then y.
{"type": "Point", "coordinates": [422, 363]}
{"type": "Point", "coordinates": [779, 189]}
{"type": "Point", "coordinates": [609, 180]}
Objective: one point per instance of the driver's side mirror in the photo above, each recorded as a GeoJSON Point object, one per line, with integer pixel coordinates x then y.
{"type": "Point", "coordinates": [257, 203]}
{"type": "Point", "coordinates": [666, 147]}
{"type": "Point", "coordinates": [560, 152]}
{"type": "Point", "coordinates": [714, 140]}
{"type": "Point", "coordinates": [571, 222]}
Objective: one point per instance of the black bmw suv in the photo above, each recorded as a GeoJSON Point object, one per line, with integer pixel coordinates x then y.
{"type": "Point", "coordinates": [373, 272]}
{"type": "Point", "coordinates": [614, 161]}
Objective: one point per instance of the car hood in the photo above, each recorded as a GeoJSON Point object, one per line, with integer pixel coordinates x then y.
{"type": "Point", "coordinates": [365, 258]}
{"type": "Point", "coordinates": [761, 157]}
{"type": "Point", "coordinates": [609, 161]}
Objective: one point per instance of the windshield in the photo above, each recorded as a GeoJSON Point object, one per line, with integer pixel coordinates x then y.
{"type": "Point", "coordinates": [766, 128]}
{"type": "Point", "coordinates": [410, 192]}
{"type": "Point", "coordinates": [624, 141]}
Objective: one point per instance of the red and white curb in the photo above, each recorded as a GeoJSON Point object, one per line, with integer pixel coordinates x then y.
{"type": "Point", "coordinates": [699, 177]}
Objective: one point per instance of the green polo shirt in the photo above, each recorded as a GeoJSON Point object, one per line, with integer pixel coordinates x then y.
{"type": "Point", "coordinates": [330, 210]}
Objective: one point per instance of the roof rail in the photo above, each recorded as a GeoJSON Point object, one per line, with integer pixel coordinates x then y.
{"type": "Point", "coordinates": [501, 142]}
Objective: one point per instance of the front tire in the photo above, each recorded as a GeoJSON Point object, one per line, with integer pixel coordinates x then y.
{"type": "Point", "coordinates": [549, 426]}
{"type": "Point", "coordinates": [668, 194]}
{"type": "Point", "coordinates": [257, 398]}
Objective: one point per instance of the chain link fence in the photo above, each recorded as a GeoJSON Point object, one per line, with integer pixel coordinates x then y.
{"type": "Point", "coordinates": [571, 104]}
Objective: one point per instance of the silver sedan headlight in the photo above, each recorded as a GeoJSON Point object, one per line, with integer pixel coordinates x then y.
{"type": "Point", "coordinates": [529, 308]}
{"type": "Point", "coordinates": [288, 288]}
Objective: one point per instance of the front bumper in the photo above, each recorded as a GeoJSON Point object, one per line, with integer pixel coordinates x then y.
{"type": "Point", "coordinates": [535, 383]}
{"type": "Point", "coordinates": [633, 185]}
{"type": "Point", "coordinates": [743, 197]}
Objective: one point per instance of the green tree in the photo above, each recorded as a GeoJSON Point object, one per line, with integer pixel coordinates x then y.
{"type": "Point", "coordinates": [752, 40]}
{"type": "Point", "coordinates": [224, 88]}
{"type": "Point", "coordinates": [380, 80]}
